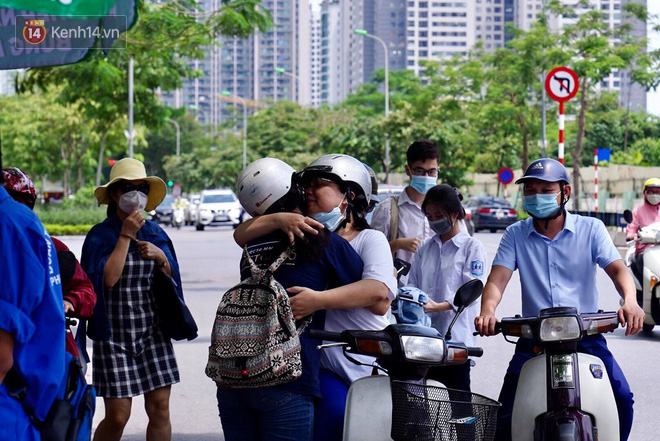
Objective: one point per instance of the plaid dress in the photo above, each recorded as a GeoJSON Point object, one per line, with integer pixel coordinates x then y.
{"type": "Point", "coordinates": [137, 358]}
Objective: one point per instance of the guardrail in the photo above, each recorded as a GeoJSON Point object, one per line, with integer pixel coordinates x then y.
{"type": "Point", "coordinates": [609, 219]}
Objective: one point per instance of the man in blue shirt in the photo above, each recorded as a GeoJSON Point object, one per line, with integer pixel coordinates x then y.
{"type": "Point", "coordinates": [556, 253]}
{"type": "Point", "coordinates": [31, 317]}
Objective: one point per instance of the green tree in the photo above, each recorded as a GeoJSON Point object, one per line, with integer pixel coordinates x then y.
{"type": "Point", "coordinates": [44, 146]}
{"type": "Point", "coordinates": [593, 58]}
{"type": "Point", "coordinates": [161, 44]}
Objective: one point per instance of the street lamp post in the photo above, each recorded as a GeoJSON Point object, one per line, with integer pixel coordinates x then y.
{"type": "Point", "coordinates": [244, 104]}
{"type": "Point", "coordinates": [386, 161]}
{"type": "Point", "coordinates": [289, 74]}
{"type": "Point", "coordinates": [178, 135]}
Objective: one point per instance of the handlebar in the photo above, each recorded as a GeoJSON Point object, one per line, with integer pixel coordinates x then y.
{"type": "Point", "coordinates": [475, 351]}
{"type": "Point", "coordinates": [325, 335]}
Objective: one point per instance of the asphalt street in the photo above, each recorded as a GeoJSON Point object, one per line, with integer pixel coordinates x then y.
{"type": "Point", "coordinates": [209, 265]}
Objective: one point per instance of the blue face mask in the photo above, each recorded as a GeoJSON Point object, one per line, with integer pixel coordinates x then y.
{"type": "Point", "coordinates": [541, 205]}
{"type": "Point", "coordinates": [422, 184]}
{"type": "Point", "coordinates": [331, 219]}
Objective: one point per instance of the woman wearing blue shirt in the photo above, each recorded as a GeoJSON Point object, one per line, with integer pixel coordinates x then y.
{"type": "Point", "coordinates": [441, 265]}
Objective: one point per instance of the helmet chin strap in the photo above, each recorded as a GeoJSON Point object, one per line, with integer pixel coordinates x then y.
{"type": "Point", "coordinates": [559, 212]}
{"type": "Point", "coordinates": [349, 209]}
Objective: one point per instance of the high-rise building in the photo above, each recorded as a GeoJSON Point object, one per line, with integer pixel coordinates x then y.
{"type": "Point", "coordinates": [321, 60]}
{"type": "Point", "coordinates": [342, 52]}
{"type": "Point", "coordinates": [315, 68]}
{"type": "Point", "coordinates": [245, 68]}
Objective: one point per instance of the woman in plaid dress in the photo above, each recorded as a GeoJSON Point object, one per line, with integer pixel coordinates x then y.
{"type": "Point", "coordinates": [131, 355]}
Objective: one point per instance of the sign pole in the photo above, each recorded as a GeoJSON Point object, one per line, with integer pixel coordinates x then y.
{"type": "Point", "coordinates": [560, 153]}
{"type": "Point", "coordinates": [596, 178]}
{"type": "Point", "coordinates": [561, 84]}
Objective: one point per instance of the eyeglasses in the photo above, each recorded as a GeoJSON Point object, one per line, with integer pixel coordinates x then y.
{"type": "Point", "coordinates": [125, 187]}
{"type": "Point", "coordinates": [418, 171]}
{"type": "Point", "coordinates": [318, 183]}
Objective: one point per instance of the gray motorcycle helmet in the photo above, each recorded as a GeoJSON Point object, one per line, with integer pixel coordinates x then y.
{"type": "Point", "coordinates": [342, 169]}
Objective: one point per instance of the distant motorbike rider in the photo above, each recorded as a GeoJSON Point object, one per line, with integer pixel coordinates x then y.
{"type": "Point", "coordinates": [644, 215]}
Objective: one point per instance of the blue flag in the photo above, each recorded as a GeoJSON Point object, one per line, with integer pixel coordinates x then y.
{"type": "Point", "coordinates": [604, 155]}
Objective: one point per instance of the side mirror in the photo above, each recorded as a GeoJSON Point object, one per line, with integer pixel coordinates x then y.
{"type": "Point", "coordinates": [468, 293]}
{"type": "Point", "coordinates": [67, 263]}
{"type": "Point", "coordinates": [465, 295]}
{"type": "Point", "coordinates": [627, 215]}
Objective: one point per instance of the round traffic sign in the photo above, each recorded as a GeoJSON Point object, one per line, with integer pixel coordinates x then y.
{"type": "Point", "coordinates": [505, 175]}
{"type": "Point", "coordinates": [561, 84]}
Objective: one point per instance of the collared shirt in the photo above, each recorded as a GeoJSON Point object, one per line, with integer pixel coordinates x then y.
{"type": "Point", "coordinates": [561, 271]}
{"type": "Point", "coordinates": [31, 310]}
{"type": "Point", "coordinates": [412, 221]}
{"type": "Point", "coordinates": [644, 215]}
{"type": "Point", "coordinates": [439, 269]}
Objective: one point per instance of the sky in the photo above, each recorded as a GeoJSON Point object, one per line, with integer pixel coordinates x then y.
{"type": "Point", "coordinates": [653, 98]}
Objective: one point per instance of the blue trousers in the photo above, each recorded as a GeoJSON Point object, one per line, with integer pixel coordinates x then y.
{"type": "Point", "coordinates": [594, 345]}
{"type": "Point", "coordinates": [329, 411]}
{"type": "Point", "coordinates": [453, 377]}
{"type": "Point", "coordinates": [265, 414]}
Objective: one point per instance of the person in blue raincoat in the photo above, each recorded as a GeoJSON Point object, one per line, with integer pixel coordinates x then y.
{"type": "Point", "coordinates": [31, 317]}
{"type": "Point", "coordinates": [132, 356]}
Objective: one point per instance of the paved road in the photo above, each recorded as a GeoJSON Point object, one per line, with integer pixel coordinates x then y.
{"type": "Point", "coordinates": [209, 264]}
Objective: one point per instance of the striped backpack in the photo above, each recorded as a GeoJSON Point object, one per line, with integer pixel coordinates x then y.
{"type": "Point", "coordinates": [254, 342]}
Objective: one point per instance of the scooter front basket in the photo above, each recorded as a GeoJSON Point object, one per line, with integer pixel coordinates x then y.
{"type": "Point", "coordinates": [423, 412]}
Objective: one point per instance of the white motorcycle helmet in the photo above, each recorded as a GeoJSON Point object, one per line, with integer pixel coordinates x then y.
{"type": "Point", "coordinates": [342, 169]}
{"type": "Point", "coordinates": [262, 183]}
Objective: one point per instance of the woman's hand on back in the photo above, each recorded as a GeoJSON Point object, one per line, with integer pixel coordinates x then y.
{"type": "Point", "coordinates": [304, 301]}
{"type": "Point", "coordinates": [294, 224]}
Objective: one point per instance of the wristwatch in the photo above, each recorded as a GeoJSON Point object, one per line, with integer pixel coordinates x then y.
{"type": "Point", "coordinates": [164, 264]}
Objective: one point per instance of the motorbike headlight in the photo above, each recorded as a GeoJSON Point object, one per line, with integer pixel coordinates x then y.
{"type": "Point", "coordinates": [425, 349]}
{"type": "Point", "coordinates": [565, 328]}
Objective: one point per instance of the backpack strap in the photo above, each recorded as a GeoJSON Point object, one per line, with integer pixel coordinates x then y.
{"type": "Point", "coordinates": [17, 389]}
{"type": "Point", "coordinates": [280, 260]}
{"type": "Point", "coordinates": [394, 218]}
{"type": "Point", "coordinates": [273, 266]}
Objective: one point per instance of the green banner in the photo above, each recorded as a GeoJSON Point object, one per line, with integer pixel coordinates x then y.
{"type": "Point", "coordinates": [60, 7]}
{"type": "Point", "coordinates": [28, 39]}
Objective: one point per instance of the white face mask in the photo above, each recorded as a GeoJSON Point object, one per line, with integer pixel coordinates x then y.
{"type": "Point", "coordinates": [133, 200]}
{"type": "Point", "coordinates": [654, 199]}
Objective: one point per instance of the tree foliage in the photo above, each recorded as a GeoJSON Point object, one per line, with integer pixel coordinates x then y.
{"type": "Point", "coordinates": [482, 109]}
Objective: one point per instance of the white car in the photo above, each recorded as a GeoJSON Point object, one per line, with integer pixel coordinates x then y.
{"type": "Point", "coordinates": [218, 207]}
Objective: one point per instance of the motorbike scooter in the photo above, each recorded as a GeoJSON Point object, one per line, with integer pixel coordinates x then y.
{"type": "Point", "coordinates": [648, 297]}
{"type": "Point", "coordinates": [562, 394]}
{"type": "Point", "coordinates": [402, 405]}
{"type": "Point", "coordinates": [178, 217]}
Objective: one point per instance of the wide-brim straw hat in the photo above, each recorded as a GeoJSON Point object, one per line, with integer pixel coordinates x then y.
{"type": "Point", "coordinates": [130, 169]}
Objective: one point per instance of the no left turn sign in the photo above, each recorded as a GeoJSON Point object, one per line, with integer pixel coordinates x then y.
{"type": "Point", "coordinates": [561, 84]}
